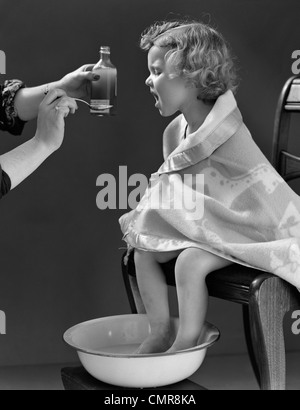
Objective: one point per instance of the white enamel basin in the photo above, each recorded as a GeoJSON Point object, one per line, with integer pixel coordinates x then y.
{"type": "Point", "coordinates": [106, 349]}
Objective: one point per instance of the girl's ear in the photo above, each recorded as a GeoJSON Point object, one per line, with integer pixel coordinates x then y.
{"type": "Point", "coordinates": [191, 85]}
{"type": "Point", "coordinates": [170, 71]}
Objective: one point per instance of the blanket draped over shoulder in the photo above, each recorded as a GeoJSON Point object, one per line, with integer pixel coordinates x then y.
{"type": "Point", "coordinates": [218, 192]}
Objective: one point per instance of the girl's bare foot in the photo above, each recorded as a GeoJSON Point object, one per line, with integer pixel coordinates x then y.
{"type": "Point", "coordinates": [157, 342]}
{"type": "Point", "coordinates": [182, 344]}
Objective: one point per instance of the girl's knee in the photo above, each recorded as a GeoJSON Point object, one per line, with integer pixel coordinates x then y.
{"type": "Point", "coordinates": [191, 258]}
{"type": "Point", "coordinates": [158, 257]}
{"type": "Point", "coordinates": [188, 264]}
{"type": "Point", "coordinates": [141, 256]}
{"type": "Point", "coordinates": [198, 263]}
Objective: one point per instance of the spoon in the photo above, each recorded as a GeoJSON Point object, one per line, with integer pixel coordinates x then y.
{"type": "Point", "coordinates": [95, 107]}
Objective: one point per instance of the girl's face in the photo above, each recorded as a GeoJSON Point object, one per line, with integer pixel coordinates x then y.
{"type": "Point", "coordinates": [171, 94]}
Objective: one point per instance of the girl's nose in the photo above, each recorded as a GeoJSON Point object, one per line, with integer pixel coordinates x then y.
{"type": "Point", "coordinates": [148, 82]}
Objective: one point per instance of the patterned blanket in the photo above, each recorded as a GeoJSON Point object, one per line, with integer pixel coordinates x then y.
{"type": "Point", "coordinates": [218, 192]}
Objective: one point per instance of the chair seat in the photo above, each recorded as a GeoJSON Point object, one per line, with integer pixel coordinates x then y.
{"type": "Point", "coordinates": [236, 283]}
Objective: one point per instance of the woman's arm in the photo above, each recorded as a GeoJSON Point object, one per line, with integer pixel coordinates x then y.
{"type": "Point", "coordinates": [26, 158]}
{"type": "Point", "coordinates": [75, 84]}
{"type": "Point", "coordinates": [27, 101]}
{"type": "Point", "coordinates": [9, 120]}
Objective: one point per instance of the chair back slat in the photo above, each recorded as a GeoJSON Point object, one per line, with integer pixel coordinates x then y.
{"type": "Point", "coordinates": [290, 166]}
{"type": "Point", "coordinates": [292, 107]}
{"type": "Point", "coordinates": [287, 164]}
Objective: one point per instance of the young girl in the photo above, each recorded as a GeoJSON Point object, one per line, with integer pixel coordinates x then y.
{"type": "Point", "coordinates": [250, 215]}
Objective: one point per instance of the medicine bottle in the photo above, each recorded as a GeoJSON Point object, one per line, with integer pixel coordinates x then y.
{"type": "Point", "coordinates": [104, 91]}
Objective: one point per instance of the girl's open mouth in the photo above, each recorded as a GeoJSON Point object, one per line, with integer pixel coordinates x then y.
{"type": "Point", "coordinates": [155, 97]}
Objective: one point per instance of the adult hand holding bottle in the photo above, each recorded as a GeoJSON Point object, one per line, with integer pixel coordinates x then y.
{"type": "Point", "coordinates": [76, 84]}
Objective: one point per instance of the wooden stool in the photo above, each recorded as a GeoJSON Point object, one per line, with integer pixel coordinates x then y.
{"type": "Point", "coordinates": [77, 378]}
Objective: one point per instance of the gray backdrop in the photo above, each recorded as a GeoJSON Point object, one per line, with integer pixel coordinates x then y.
{"type": "Point", "coordinates": [59, 254]}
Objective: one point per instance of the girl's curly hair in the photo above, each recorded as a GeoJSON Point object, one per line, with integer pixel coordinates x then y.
{"type": "Point", "coordinates": [197, 53]}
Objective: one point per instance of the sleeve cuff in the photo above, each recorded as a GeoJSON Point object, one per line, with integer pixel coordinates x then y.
{"type": "Point", "coordinates": [5, 183]}
{"type": "Point", "coordinates": [11, 122]}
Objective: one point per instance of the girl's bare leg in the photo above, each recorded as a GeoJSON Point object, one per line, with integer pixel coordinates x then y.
{"type": "Point", "coordinates": [154, 292]}
{"type": "Point", "coordinates": [192, 267]}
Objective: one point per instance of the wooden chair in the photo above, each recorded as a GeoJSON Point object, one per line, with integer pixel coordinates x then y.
{"type": "Point", "coordinates": [265, 298]}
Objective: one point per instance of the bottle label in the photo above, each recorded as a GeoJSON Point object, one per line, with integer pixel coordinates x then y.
{"type": "Point", "coordinates": [103, 98]}
{"type": "Point", "coordinates": [100, 106]}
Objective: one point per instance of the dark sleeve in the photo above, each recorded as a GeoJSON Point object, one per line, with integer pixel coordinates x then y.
{"type": "Point", "coordinates": [5, 183]}
{"type": "Point", "coordinates": [9, 120]}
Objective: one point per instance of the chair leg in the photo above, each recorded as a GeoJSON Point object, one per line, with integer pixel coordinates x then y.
{"type": "Point", "coordinates": [248, 338]}
{"type": "Point", "coordinates": [133, 293]}
{"type": "Point", "coordinates": [139, 305]}
{"type": "Point", "coordinates": [267, 307]}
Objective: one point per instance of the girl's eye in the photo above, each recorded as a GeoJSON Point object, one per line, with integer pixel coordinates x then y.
{"type": "Point", "coordinates": [156, 72]}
